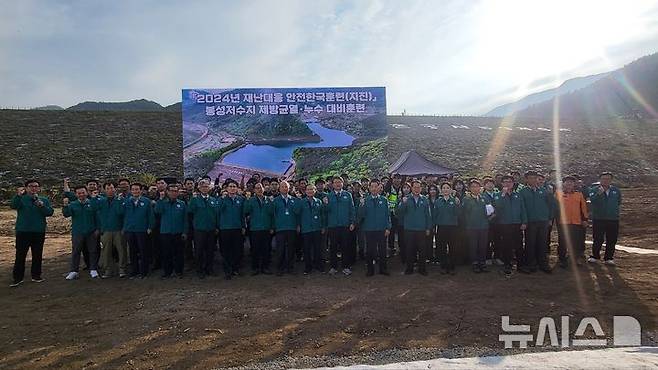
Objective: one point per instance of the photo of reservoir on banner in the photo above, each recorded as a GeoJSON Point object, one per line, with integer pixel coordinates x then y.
{"type": "Point", "coordinates": [281, 132]}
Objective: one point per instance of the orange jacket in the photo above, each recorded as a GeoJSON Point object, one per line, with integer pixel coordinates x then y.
{"type": "Point", "coordinates": [571, 207]}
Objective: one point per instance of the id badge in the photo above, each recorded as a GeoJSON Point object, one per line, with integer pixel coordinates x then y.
{"type": "Point", "coordinates": [287, 213]}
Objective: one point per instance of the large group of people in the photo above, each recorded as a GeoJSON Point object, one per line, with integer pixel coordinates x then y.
{"type": "Point", "coordinates": [129, 229]}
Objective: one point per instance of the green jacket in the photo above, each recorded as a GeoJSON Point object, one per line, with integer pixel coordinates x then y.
{"type": "Point", "coordinates": [446, 212]}
{"type": "Point", "coordinates": [312, 215]}
{"type": "Point", "coordinates": [605, 207]}
{"type": "Point", "coordinates": [510, 209]}
{"type": "Point", "coordinates": [84, 218]}
{"type": "Point", "coordinates": [173, 216]}
{"type": "Point", "coordinates": [109, 214]}
{"type": "Point", "coordinates": [231, 213]}
{"type": "Point", "coordinates": [340, 210]}
{"type": "Point", "coordinates": [259, 212]}
{"type": "Point", "coordinates": [30, 218]}
{"type": "Point", "coordinates": [475, 212]}
{"type": "Point", "coordinates": [204, 213]}
{"type": "Point", "coordinates": [539, 203]}
{"type": "Point", "coordinates": [374, 214]}
{"type": "Point", "coordinates": [416, 215]}
{"type": "Point", "coordinates": [286, 215]}
{"type": "Point", "coordinates": [137, 218]}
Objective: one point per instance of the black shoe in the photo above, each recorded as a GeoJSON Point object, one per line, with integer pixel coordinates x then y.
{"type": "Point", "coordinates": [227, 277]}
{"type": "Point", "coordinates": [266, 272]}
{"type": "Point", "coordinates": [279, 273]}
{"type": "Point", "coordinates": [483, 268]}
{"type": "Point", "coordinates": [165, 277]}
{"type": "Point", "coordinates": [236, 273]}
{"type": "Point", "coordinates": [547, 269]}
{"type": "Point", "coordinates": [292, 272]}
{"type": "Point", "coordinates": [564, 264]}
{"type": "Point", "coordinates": [16, 283]}
{"type": "Point", "coordinates": [370, 273]}
{"type": "Point", "coordinates": [444, 271]}
{"type": "Point", "coordinates": [476, 269]}
{"type": "Point", "coordinates": [507, 270]}
{"type": "Point", "coordinates": [423, 272]}
{"type": "Point", "coordinates": [255, 272]}
{"type": "Point", "coordinates": [408, 272]}
{"type": "Point", "coordinates": [202, 276]}
{"type": "Point", "coordinates": [384, 272]}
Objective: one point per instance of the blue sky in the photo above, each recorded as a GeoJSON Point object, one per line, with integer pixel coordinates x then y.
{"type": "Point", "coordinates": [434, 57]}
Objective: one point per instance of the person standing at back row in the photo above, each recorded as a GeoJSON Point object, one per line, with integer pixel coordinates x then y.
{"type": "Point", "coordinates": [32, 211]}
{"type": "Point", "coordinates": [606, 200]}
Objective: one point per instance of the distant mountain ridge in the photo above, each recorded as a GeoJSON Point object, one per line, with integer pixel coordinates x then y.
{"type": "Point", "coordinates": [140, 105]}
{"type": "Point", "coordinates": [628, 92]}
{"type": "Point", "coordinates": [566, 87]}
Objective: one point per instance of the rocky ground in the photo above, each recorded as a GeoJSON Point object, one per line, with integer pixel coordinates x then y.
{"type": "Point", "coordinates": [303, 321]}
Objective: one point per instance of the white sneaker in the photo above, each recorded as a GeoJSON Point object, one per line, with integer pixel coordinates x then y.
{"type": "Point", "coordinates": [347, 271]}
{"type": "Point", "coordinates": [499, 262]}
{"type": "Point", "coordinates": [592, 260]}
{"type": "Point", "coordinates": [610, 262]}
{"type": "Point", "coordinates": [72, 275]}
{"type": "Point", "coordinates": [333, 271]}
{"type": "Point", "coordinates": [93, 274]}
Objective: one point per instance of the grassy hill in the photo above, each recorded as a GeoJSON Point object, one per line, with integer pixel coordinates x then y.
{"type": "Point", "coordinates": [51, 145]}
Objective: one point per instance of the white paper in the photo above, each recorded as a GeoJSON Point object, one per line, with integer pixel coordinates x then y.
{"type": "Point", "coordinates": [490, 209]}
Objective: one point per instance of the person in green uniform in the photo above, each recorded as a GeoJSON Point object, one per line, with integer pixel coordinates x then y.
{"type": "Point", "coordinates": [173, 232]}
{"type": "Point", "coordinates": [286, 224]}
{"type": "Point", "coordinates": [341, 218]}
{"type": "Point", "coordinates": [539, 205]}
{"type": "Point", "coordinates": [605, 204]}
{"type": "Point", "coordinates": [258, 210]}
{"type": "Point", "coordinates": [203, 209]}
{"type": "Point", "coordinates": [84, 231]}
{"type": "Point", "coordinates": [111, 222]}
{"type": "Point", "coordinates": [375, 220]}
{"type": "Point", "coordinates": [138, 222]}
{"type": "Point", "coordinates": [511, 219]}
{"type": "Point", "coordinates": [415, 211]}
{"type": "Point", "coordinates": [232, 228]}
{"type": "Point", "coordinates": [476, 222]}
{"type": "Point", "coordinates": [445, 216]}
{"type": "Point", "coordinates": [313, 226]}
{"type": "Point", "coordinates": [31, 212]}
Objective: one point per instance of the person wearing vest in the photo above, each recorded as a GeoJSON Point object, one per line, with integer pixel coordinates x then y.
{"type": "Point", "coordinates": [476, 221]}
{"type": "Point", "coordinates": [173, 231]}
{"type": "Point", "coordinates": [341, 218]}
{"type": "Point", "coordinates": [286, 211]}
{"type": "Point", "coordinates": [203, 209]}
{"type": "Point", "coordinates": [375, 221]}
{"type": "Point", "coordinates": [605, 203]}
{"type": "Point", "coordinates": [138, 222]}
{"type": "Point", "coordinates": [111, 222]}
{"type": "Point", "coordinates": [511, 220]}
{"type": "Point", "coordinates": [539, 205]}
{"type": "Point", "coordinates": [312, 226]}
{"type": "Point", "coordinates": [446, 216]}
{"type": "Point", "coordinates": [232, 229]}
{"type": "Point", "coordinates": [571, 219]}
{"type": "Point", "coordinates": [258, 210]}
{"type": "Point", "coordinates": [84, 231]}
{"type": "Point", "coordinates": [415, 211]}
{"type": "Point", "coordinates": [31, 212]}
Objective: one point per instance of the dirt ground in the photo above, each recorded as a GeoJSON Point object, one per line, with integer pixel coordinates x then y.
{"type": "Point", "coordinates": [214, 323]}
